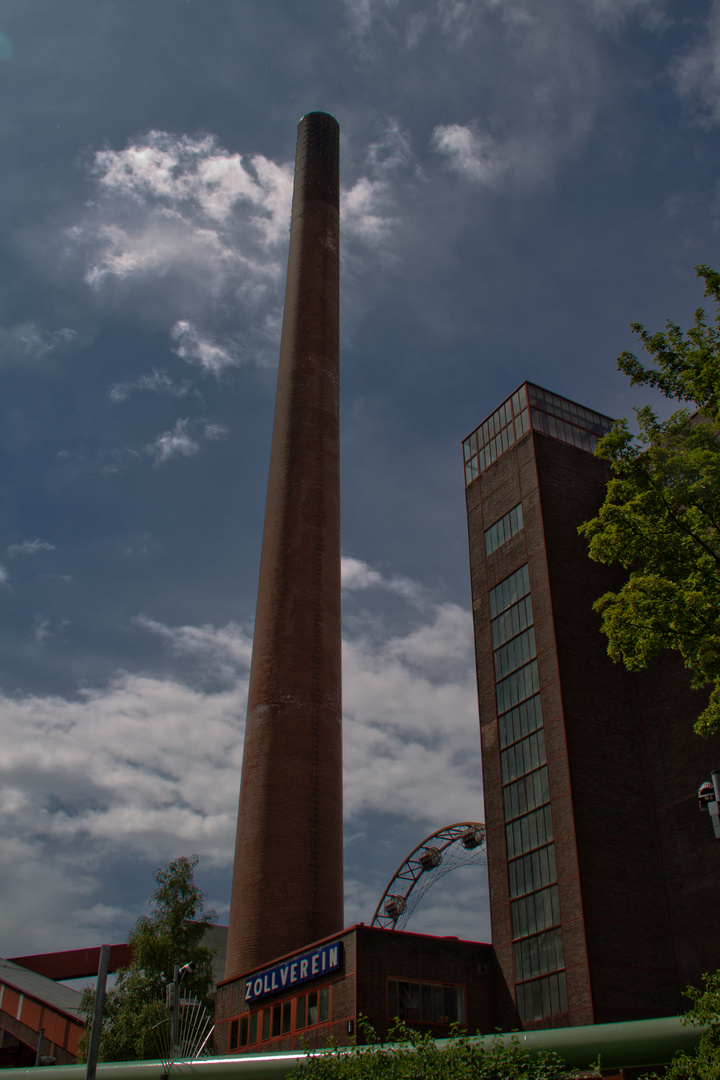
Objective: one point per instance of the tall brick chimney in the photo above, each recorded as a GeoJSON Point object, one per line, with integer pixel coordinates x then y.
{"type": "Point", "coordinates": [287, 886]}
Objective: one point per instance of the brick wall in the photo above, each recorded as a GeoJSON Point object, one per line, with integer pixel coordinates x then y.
{"type": "Point", "coordinates": [372, 957]}
{"type": "Point", "coordinates": [637, 865]}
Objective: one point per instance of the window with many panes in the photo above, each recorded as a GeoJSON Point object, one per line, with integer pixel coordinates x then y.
{"type": "Point", "coordinates": [295, 1014]}
{"type": "Point", "coordinates": [531, 407]}
{"type": "Point", "coordinates": [426, 1003]}
{"type": "Point", "coordinates": [535, 908]}
{"type": "Point", "coordinates": [499, 533]}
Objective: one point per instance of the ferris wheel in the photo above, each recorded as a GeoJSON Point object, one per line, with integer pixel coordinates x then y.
{"type": "Point", "coordinates": [445, 850]}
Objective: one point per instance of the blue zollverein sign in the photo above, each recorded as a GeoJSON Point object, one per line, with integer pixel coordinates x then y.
{"type": "Point", "coordinates": [308, 966]}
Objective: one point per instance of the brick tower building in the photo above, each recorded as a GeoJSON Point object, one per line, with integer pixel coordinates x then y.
{"type": "Point", "coordinates": [287, 886]}
{"type": "Point", "coordinates": [294, 976]}
{"type": "Point", "coordinates": [603, 874]}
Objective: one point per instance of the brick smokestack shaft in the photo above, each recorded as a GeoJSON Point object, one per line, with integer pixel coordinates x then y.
{"type": "Point", "coordinates": [288, 876]}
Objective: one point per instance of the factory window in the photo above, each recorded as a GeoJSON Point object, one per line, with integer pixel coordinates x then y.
{"type": "Point", "coordinates": [501, 429]}
{"type": "Point", "coordinates": [538, 911]}
{"type": "Point", "coordinates": [526, 794]}
{"type": "Point", "coordinates": [520, 721]}
{"type": "Point", "coordinates": [566, 421]}
{"type": "Point", "coordinates": [538, 955]}
{"type": "Point", "coordinates": [248, 1031]}
{"type": "Point", "coordinates": [522, 757]}
{"type": "Point", "coordinates": [528, 832]}
{"type": "Point", "coordinates": [511, 622]}
{"type": "Point", "coordinates": [509, 591]}
{"type": "Point", "coordinates": [277, 1020]}
{"type": "Point", "coordinates": [567, 410]}
{"type": "Point", "coordinates": [502, 530]}
{"type": "Point", "coordinates": [541, 998]}
{"type": "Point", "coordinates": [517, 687]}
{"type": "Point", "coordinates": [313, 1008]}
{"type": "Point", "coordinates": [533, 871]}
{"type": "Point", "coordinates": [426, 1003]}
{"type": "Point", "coordinates": [515, 653]}
{"type": "Point", "coordinates": [553, 415]}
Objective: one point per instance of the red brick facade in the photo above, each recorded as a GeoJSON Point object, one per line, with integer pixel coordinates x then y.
{"type": "Point", "coordinates": [634, 863]}
{"type": "Point", "coordinates": [380, 968]}
{"type": "Point", "coordinates": [288, 869]}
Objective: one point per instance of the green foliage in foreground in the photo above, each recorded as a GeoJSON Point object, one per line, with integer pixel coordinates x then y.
{"type": "Point", "coordinates": [418, 1058]}
{"type": "Point", "coordinates": [170, 934]}
{"type": "Point", "coordinates": [704, 1064]}
{"type": "Point", "coordinates": [661, 515]}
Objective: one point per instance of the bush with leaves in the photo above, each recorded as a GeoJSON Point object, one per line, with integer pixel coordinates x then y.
{"type": "Point", "coordinates": [704, 1064]}
{"type": "Point", "coordinates": [661, 515]}
{"type": "Point", "coordinates": [170, 934]}
{"type": "Point", "coordinates": [411, 1056]}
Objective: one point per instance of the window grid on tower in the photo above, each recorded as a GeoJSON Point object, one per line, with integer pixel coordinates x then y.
{"type": "Point", "coordinates": [532, 872]}
{"type": "Point", "coordinates": [531, 407]}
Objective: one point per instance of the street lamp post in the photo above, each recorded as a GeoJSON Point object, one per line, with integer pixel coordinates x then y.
{"type": "Point", "coordinates": [179, 976]}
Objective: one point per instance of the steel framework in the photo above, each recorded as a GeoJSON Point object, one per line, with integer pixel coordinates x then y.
{"type": "Point", "coordinates": [447, 849]}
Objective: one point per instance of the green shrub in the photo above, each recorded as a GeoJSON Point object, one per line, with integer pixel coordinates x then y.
{"type": "Point", "coordinates": [411, 1056]}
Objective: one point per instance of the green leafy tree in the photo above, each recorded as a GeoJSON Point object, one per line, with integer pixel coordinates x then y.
{"type": "Point", "coordinates": [417, 1057]}
{"type": "Point", "coordinates": [704, 1064]}
{"type": "Point", "coordinates": [170, 934]}
{"type": "Point", "coordinates": [661, 515]}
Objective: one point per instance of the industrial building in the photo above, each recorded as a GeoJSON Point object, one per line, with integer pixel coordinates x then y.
{"type": "Point", "coordinates": [603, 874]}
{"type": "Point", "coordinates": [316, 995]}
{"type": "Point", "coordinates": [601, 868]}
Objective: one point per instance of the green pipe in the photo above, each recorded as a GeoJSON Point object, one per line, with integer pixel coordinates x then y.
{"type": "Point", "coordinates": [630, 1044]}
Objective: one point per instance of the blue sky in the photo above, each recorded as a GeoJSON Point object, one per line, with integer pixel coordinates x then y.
{"type": "Point", "coordinates": [520, 182]}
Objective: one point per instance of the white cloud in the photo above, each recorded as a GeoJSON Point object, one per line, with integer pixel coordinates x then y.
{"type": "Point", "coordinates": [146, 768]}
{"type": "Point", "coordinates": [222, 651]}
{"type": "Point", "coordinates": [27, 341]}
{"type": "Point", "coordinates": [410, 708]}
{"type": "Point", "coordinates": [29, 547]}
{"type": "Point", "coordinates": [214, 431]}
{"type": "Point", "coordinates": [4, 576]}
{"type": "Point", "coordinates": [356, 575]}
{"type": "Point", "coordinates": [697, 73]}
{"type": "Point", "coordinates": [175, 443]}
{"type": "Point", "coordinates": [184, 229]}
{"type": "Point", "coordinates": [614, 12]}
{"type": "Point", "coordinates": [361, 210]}
{"type": "Point", "coordinates": [41, 629]}
{"type": "Point", "coordinates": [199, 349]}
{"type": "Point", "coordinates": [158, 382]}
{"type": "Point", "coordinates": [177, 170]}
{"type": "Point", "coordinates": [196, 237]}
{"type": "Point", "coordinates": [113, 774]}
{"type": "Point", "coordinates": [182, 441]}
{"type": "Point", "coordinates": [471, 153]}
{"type": "Point", "coordinates": [391, 151]}
{"type": "Point", "coordinates": [174, 203]}
{"type": "Point", "coordinates": [457, 20]}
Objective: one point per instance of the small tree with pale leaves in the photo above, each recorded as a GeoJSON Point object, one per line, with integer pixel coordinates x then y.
{"type": "Point", "coordinates": [171, 933]}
